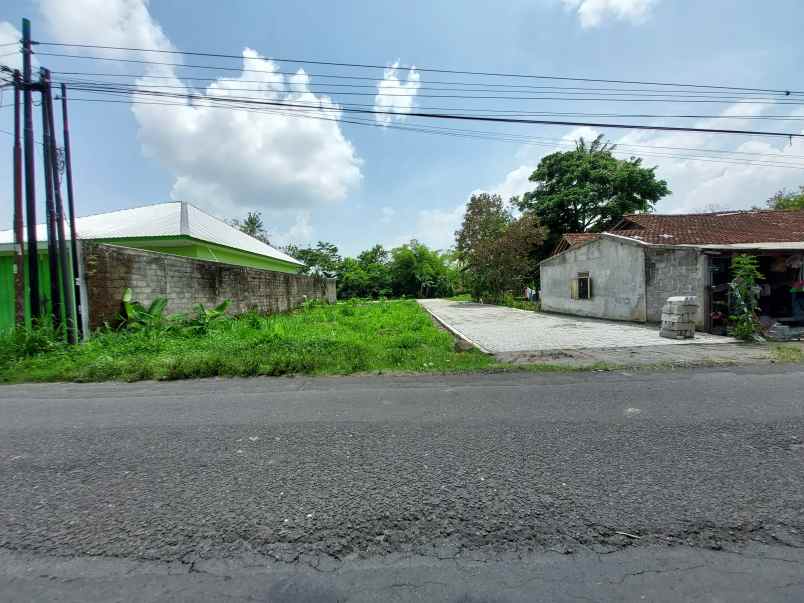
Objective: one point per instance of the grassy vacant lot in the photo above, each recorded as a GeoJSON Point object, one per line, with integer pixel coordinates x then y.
{"type": "Point", "coordinates": [339, 339]}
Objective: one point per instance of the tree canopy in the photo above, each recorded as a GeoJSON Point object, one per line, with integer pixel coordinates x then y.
{"type": "Point", "coordinates": [785, 199]}
{"type": "Point", "coordinates": [494, 248]}
{"type": "Point", "coordinates": [588, 189]}
{"type": "Point", "coordinates": [323, 259]}
{"type": "Point", "coordinates": [410, 270]}
{"type": "Point", "coordinates": [252, 225]}
{"type": "Point", "coordinates": [416, 270]}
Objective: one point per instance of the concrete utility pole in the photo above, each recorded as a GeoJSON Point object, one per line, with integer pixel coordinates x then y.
{"type": "Point", "coordinates": [68, 169]}
{"type": "Point", "coordinates": [19, 244]}
{"type": "Point", "coordinates": [64, 260]}
{"type": "Point", "coordinates": [30, 176]}
{"type": "Point", "coordinates": [50, 208]}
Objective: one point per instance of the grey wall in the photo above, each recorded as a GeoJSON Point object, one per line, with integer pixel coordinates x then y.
{"type": "Point", "coordinates": [109, 270]}
{"type": "Point", "coordinates": [672, 272]}
{"type": "Point", "coordinates": [618, 280]}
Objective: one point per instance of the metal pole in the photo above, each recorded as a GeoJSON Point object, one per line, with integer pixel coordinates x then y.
{"type": "Point", "coordinates": [64, 260]}
{"type": "Point", "coordinates": [19, 244]}
{"type": "Point", "coordinates": [50, 209]}
{"type": "Point", "coordinates": [68, 169]}
{"type": "Point", "coordinates": [30, 176]}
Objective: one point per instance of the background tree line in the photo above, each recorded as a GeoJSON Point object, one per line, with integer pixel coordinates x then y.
{"type": "Point", "coordinates": [410, 270]}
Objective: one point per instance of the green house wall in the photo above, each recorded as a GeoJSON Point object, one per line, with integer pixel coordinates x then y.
{"type": "Point", "coordinates": [183, 246]}
{"type": "Point", "coordinates": [7, 301]}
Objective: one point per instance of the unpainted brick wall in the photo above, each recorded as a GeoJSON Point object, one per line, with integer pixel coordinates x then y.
{"type": "Point", "coordinates": [185, 282]}
{"type": "Point", "coordinates": [671, 272]}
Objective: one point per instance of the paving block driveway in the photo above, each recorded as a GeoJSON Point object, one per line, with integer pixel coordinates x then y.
{"type": "Point", "coordinates": [497, 329]}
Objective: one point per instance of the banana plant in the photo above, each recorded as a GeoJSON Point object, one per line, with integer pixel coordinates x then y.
{"type": "Point", "coordinates": [136, 316]}
{"type": "Point", "coordinates": [205, 317]}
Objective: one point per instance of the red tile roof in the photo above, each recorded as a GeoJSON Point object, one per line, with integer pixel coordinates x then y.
{"type": "Point", "coordinates": [573, 239]}
{"type": "Point", "coordinates": [576, 238]}
{"type": "Point", "coordinates": [719, 228]}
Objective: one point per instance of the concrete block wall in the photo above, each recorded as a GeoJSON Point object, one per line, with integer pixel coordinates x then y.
{"type": "Point", "coordinates": [618, 280]}
{"type": "Point", "coordinates": [185, 282]}
{"type": "Point", "coordinates": [673, 272]}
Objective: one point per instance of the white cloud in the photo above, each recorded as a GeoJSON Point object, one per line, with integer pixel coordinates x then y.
{"type": "Point", "coordinates": [300, 233]}
{"type": "Point", "coordinates": [9, 35]}
{"type": "Point", "coordinates": [107, 22]}
{"type": "Point", "coordinates": [387, 214]}
{"type": "Point", "coordinates": [394, 95]}
{"type": "Point", "coordinates": [515, 182]}
{"type": "Point", "coordinates": [435, 227]}
{"type": "Point", "coordinates": [737, 181]}
{"type": "Point", "coordinates": [226, 160]}
{"type": "Point", "coordinates": [592, 13]}
{"type": "Point", "coordinates": [699, 175]}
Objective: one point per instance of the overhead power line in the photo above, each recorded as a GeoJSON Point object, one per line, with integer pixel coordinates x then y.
{"type": "Point", "coordinates": [471, 134]}
{"type": "Point", "coordinates": [452, 116]}
{"type": "Point", "coordinates": [465, 109]}
{"type": "Point", "coordinates": [427, 84]}
{"type": "Point", "coordinates": [687, 99]}
{"type": "Point", "coordinates": [307, 86]}
{"type": "Point", "coordinates": [422, 69]}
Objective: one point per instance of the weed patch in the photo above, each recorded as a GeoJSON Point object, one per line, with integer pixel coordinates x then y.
{"type": "Point", "coordinates": [788, 353]}
{"type": "Point", "coordinates": [317, 339]}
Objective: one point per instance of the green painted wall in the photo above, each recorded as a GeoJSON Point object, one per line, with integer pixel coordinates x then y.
{"type": "Point", "coordinates": [7, 302]}
{"type": "Point", "coordinates": [205, 251]}
{"type": "Point", "coordinates": [192, 249]}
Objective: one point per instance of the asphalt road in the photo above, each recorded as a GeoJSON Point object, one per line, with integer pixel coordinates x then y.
{"type": "Point", "coordinates": [601, 486]}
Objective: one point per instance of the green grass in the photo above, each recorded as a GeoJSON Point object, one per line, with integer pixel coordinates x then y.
{"type": "Point", "coordinates": [345, 338]}
{"type": "Point", "coordinates": [521, 304]}
{"type": "Point", "coordinates": [507, 300]}
{"type": "Point", "coordinates": [463, 297]}
{"type": "Point", "coordinates": [788, 353]}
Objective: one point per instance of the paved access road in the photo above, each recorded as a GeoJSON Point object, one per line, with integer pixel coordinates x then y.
{"type": "Point", "coordinates": [498, 329]}
{"type": "Point", "coordinates": [604, 486]}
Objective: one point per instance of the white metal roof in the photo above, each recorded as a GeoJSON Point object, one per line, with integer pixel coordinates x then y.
{"type": "Point", "coordinates": [162, 220]}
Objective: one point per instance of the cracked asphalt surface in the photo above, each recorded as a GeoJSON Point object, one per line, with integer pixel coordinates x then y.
{"type": "Point", "coordinates": [682, 484]}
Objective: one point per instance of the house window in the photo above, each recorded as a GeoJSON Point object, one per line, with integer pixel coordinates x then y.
{"type": "Point", "coordinates": [581, 286]}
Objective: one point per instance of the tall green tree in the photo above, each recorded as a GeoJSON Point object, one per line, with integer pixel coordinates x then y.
{"type": "Point", "coordinates": [368, 275]}
{"type": "Point", "coordinates": [253, 226]}
{"type": "Point", "coordinates": [588, 189]}
{"type": "Point", "coordinates": [418, 271]}
{"type": "Point", "coordinates": [785, 199]}
{"type": "Point", "coordinates": [494, 248]}
{"type": "Point", "coordinates": [323, 259]}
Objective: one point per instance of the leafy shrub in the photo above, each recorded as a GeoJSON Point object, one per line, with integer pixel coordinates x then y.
{"type": "Point", "coordinates": [745, 298]}
{"type": "Point", "coordinates": [136, 316]}
{"type": "Point", "coordinates": [27, 341]}
{"type": "Point", "coordinates": [205, 318]}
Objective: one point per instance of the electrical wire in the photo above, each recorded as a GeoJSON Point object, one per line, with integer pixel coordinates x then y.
{"type": "Point", "coordinates": [245, 70]}
{"type": "Point", "coordinates": [452, 116]}
{"type": "Point", "coordinates": [306, 86]}
{"type": "Point", "coordinates": [316, 108]}
{"type": "Point", "coordinates": [421, 69]}
{"type": "Point", "coordinates": [490, 110]}
{"type": "Point", "coordinates": [12, 135]}
{"type": "Point", "coordinates": [485, 86]}
{"type": "Point", "coordinates": [503, 137]}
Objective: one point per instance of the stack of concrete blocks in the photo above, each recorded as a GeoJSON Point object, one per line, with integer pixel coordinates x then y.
{"type": "Point", "coordinates": [678, 317]}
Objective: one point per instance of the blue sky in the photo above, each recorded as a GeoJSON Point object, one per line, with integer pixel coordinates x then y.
{"type": "Point", "coordinates": [358, 185]}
